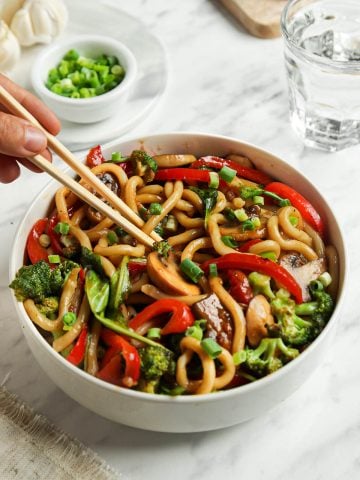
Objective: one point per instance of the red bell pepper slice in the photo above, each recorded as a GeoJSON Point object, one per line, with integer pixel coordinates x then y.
{"type": "Point", "coordinates": [249, 261]}
{"type": "Point", "coordinates": [77, 354]}
{"type": "Point", "coordinates": [137, 267]}
{"type": "Point", "coordinates": [244, 172]}
{"type": "Point", "coordinates": [54, 237]}
{"type": "Point", "coordinates": [240, 288]}
{"type": "Point", "coordinates": [111, 370]}
{"type": "Point", "coordinates": [308, 212]}
{"type": "Point", "coordinates": [95, 157]}
{"type": "Point", "coordinates": [34, 250]}
{"type": "Point", "coordinates": [180, 320]}
{"type": "Point", "coordinates": [184, 174]}
{"type": "Point", "coordinates": [247, 245]}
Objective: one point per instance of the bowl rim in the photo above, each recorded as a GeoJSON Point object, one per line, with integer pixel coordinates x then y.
{"type": "Point", "coordinates": [209, 397]}
{"type": "Point", "coordinates": [74, 41]}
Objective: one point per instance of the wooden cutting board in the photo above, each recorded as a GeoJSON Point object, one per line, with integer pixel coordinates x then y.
{"type": "Point", "coordinates": [260, 17]}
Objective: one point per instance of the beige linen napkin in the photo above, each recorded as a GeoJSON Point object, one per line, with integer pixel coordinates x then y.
{"type": "Point", "coordinates": [31, 447]}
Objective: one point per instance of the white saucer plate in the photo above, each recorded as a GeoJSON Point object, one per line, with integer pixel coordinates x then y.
{"type": "Point", "coordinates": [106, 18]}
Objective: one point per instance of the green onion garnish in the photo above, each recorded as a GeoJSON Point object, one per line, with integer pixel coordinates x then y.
{"type": "Point", "coordinates": [54, 258]}
{"type": "Point", "coordinates": [258, 200]}
{"type": "Point", "coordinates": [62, 228]}
{"type": "Point", "coordinates": [154, 333]}
{"type": "Point", "coordinates": [76, 76]}
{"type": "Point", "coordinates": [201, 323]}
{"type": "Point", "coordinates": [241, 215]}
{"type": "Point", "coordinates": [325, 279]}
{"type": "Point", "coordinates": [248, 225]}
{"type": "Point", "coordinates": [191, 270]}
{"type": "Point", "coordinates": [69, 318]}
{"type": "Point", "coordinates": [112, 238]}
{"type": "Point", "coordinates": [227, 174]}
{"type": "Point", "coordinates": [213, 271]}
{"type": "Point", "coordinates": [229, 241]}
{"type": "Point", "coordinates": [194, 331]}
{"type": "Point", "coordinates": [269, 255]}
{"type": "Point", "coordinates": [239, 357]}
{"type": "Point", "coordinates": [117, 157]}
{"type": "Point", "coordinates": [120, 232]}
{"type": "Point", "coordinates": [155, 208]}
{"type": "Point", "coordinates": [256, 222]}
{"type": "Point", "coordinates": [229, 214]}
{"type": "Point", "coordinates": [293, 220]}
{"type": "Point", "coordinates": [214, 180]}
{"type": "Point", "coordinates": [210, 347]}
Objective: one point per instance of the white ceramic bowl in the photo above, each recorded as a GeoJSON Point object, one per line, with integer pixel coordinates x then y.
{"type": "Point", "coordinates": [190, 413]}
{"type": "Point", "coordinates": [84, 110]}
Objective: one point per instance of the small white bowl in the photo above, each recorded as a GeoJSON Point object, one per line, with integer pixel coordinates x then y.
{"type": "Point", "coordinates": [191, 413]}
{"type": "Point", "coordinates": [84, 110]}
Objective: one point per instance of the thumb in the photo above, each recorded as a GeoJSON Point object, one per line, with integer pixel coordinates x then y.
{"type": "Point", "coordinates": [19, 138]}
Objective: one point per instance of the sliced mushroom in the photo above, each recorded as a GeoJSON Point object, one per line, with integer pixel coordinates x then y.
{"type": "Point", "coordinates": [165, 273]}
{"type": "Point", "coordinates": [303, 273]}
{"type": "Point", "coordinates": [168, 161]}
{"type": "Point", "coordinates": [258, 317]}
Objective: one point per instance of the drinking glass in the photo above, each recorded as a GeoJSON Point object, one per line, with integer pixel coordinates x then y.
{"type": "Point", "coordinates": [322, 57]}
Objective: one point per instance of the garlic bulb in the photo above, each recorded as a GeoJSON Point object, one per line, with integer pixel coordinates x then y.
{"type": "Point", "coordinates": [9, 48]}
{"type": "Point", "coordinates": [38, 21]}
{"type": "Point", "coordinates": [8, 8]}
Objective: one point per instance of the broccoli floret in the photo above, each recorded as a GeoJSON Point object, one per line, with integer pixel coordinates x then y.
{"type": "Point", "coordinates": [268, 357]}
{"type": "Point", "coordinates": [261, 284]}
{"type": "Point", "coordinates": [292, 329]}
{"type": "Point", "coordinates": [319, 309]}
{"type": "Point", "coordinates": [163, 248]}
{"type": "Point", "coordinates": [32, 281]}
{"type": "Point", "coordinates": [49, 307]}
{"type": "Point", "coordinates": [156, 361]}
{"type": "Point", "coordinates": [60, 274]}
{"type": "Point", "coordinates": [38, 281]}
{"type": "Point", "coordinates": [144, 165]}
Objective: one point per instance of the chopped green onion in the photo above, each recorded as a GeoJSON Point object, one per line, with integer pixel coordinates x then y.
{"type": "Point", "coordinates": [229, 214]}
{"type": "Point", "coordinates": [229, 241]}
{"type": "Point", "coordinates": [44, 240]}
{"type": "Point", "coordinates": [256, 222]}
{"type": "Point", "coordinates": [120, 232]}
{"type": "Point", "coordinates": [71, 55]}
{"type": "Point", "coordinates": [227, 174]}
{"type": "Point", "coordinates": [155, 208]}
{"type": "Point", "coordinates": [171, 224]}
{"type": "Point", "coordinates": [174, 392]}
{"type": "Point", "coordinates": [117, 157]}
{"type": "Point", "coordinates": [241, 215]}
{"type": "Point", "coordinates": [269, 255]}
{"type": "Point", "coordinates": [62, 228]}
{"type": "Point", "coordinates": [214, 180]}
{"type": "Point", "coordinates": [201, 323]}
{"type": "Point", "coordinates": [54, 258]}
{"type": "Point", "coordinates": [248, 225]}
{"type": "Point", "coordinates": [210, 347]}
{"type": "Point", "coordinates": [69, 318]}
{"type": "Point", "coordinates": [239, 357]}
{"type": "Point", "coordinates": [325, 279]}
{"type": "Point", "coordinates": [213, 271]}
{"type": "Point", "coordinates": [293, 220]}
{"type": "Point", "coordinates": [194, 331]}
{"type": "Point", "coordinates": [154, 333]}
{"type": "Point", "coordinates": [191, 270]}
{"type": "Point", "coordinates": [258, 200]}
{"type": "Point", "coordinates": [112, 238]}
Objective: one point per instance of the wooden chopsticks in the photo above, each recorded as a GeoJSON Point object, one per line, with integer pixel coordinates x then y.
{"type": "Point", "coordinates": [122, 215]}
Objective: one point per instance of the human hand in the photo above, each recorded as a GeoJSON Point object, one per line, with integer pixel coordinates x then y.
{"type": "Point", "coordinates": [18, 138]}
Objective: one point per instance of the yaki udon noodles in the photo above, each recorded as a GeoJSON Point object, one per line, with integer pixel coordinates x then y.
{"type": "Point", "coordinates": [240, 285]}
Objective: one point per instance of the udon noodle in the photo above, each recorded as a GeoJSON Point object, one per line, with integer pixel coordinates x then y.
{"type": "Point", "coordinates": [240, 285]}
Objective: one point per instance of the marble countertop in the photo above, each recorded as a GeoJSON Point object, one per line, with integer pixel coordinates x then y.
{"type": "Point", "coordinates": [221, 81]}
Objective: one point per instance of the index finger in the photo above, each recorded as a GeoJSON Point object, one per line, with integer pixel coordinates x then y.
{"type": "Point", "coordinates": [35, 106]}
